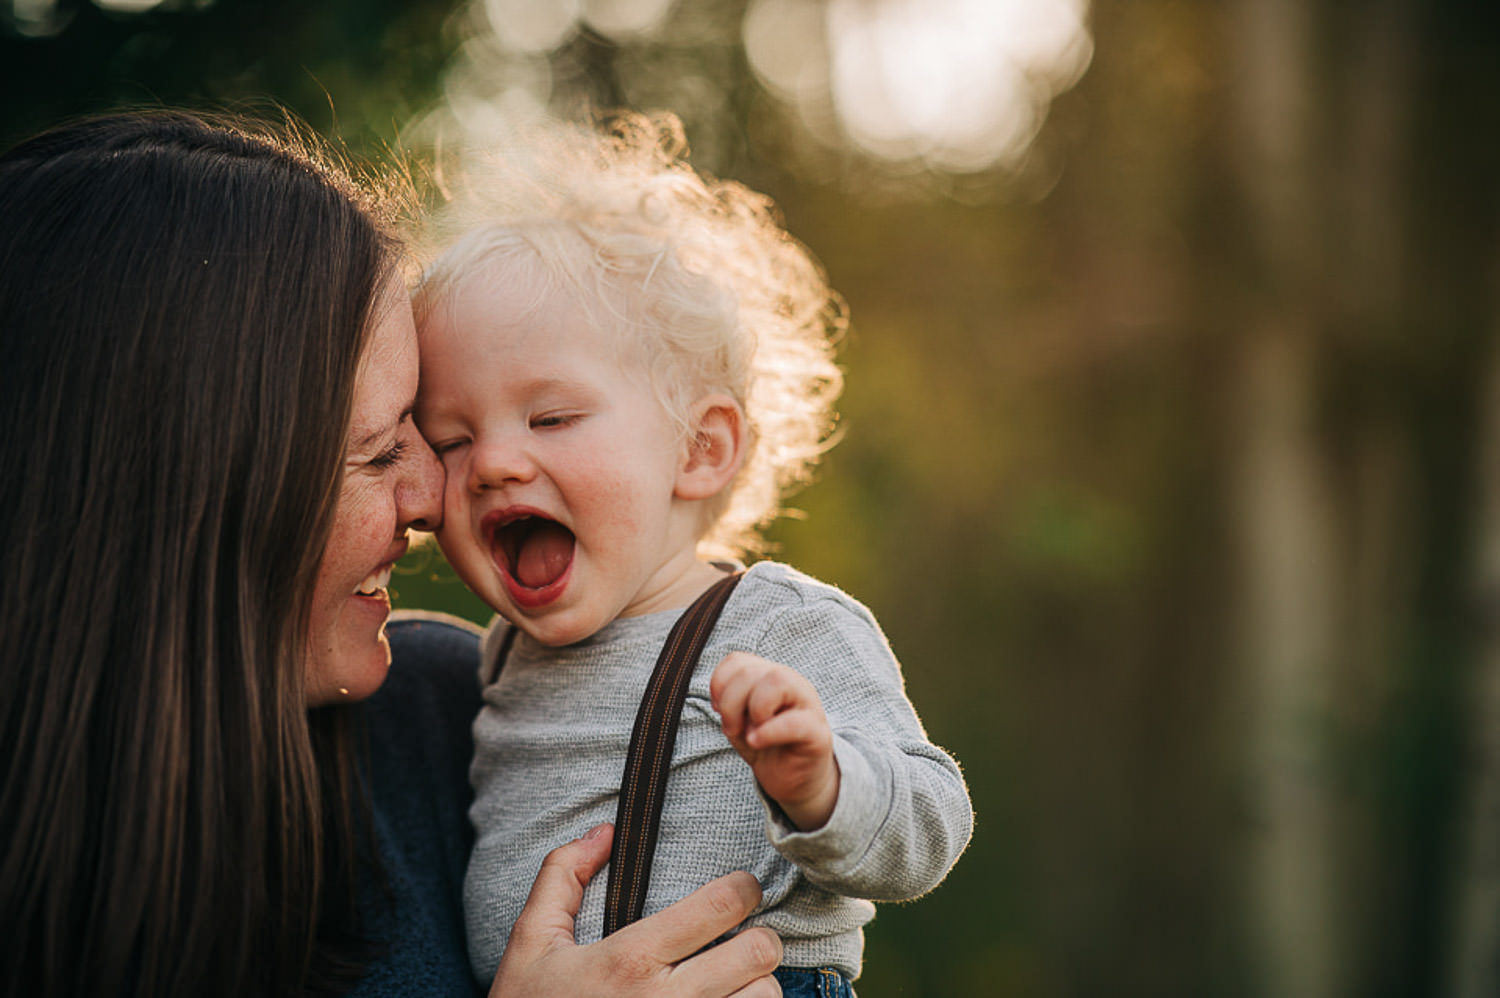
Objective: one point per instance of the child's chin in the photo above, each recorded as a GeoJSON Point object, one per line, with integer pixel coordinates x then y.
{"type": "Point", "coordinates": [556, 633]}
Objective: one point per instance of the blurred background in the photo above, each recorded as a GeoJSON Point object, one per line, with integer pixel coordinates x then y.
{"type": "Point", "coordinates": [1172, 454]}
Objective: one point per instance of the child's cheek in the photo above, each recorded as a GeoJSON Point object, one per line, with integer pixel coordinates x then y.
{"type": "Point", "coordinates": [455, 536]}
{"type": "Point", "coordinates": [455, 506]}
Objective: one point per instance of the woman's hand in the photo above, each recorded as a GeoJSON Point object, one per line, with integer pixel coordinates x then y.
{"type": "Point", "coordinates": [652, 957]}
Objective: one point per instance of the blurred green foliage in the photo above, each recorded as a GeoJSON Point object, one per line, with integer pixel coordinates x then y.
{"type": "Point", "coordinates": [353, 69]}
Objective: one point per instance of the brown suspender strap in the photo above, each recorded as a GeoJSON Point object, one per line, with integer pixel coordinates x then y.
{"type": "Point", "coordinates": [643, 788]}
{"type": "Point", "coordinates": [492, 669]}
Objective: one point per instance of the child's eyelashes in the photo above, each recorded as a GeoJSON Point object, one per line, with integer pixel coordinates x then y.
{"type": "Point", "coordinates": [549, 420]}
{"type": "Point", "coordinates": [444, 446]}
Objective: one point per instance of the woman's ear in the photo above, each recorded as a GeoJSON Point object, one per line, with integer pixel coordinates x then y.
{"type": "Point", "coordinates": [715, 450]}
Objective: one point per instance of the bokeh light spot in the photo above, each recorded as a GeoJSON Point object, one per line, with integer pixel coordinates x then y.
{"type": "Point", "coordinates": [532, 27]}
{"type": "Point", "coordinates": [961, 84]}
{"type": "Point", "coordinates": [127, 6]}
{"type": "Point", "coordinates": [625, 18]}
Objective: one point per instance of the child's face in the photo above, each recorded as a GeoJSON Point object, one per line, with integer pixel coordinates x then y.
{"type": "Point", "coordinates": [559, 508]}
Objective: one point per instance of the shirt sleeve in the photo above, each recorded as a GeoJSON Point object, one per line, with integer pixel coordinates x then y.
{"type": "Point", "coordinates": [903, 814]}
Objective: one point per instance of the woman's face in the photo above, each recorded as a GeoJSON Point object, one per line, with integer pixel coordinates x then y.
{"type": "Point", "coordinates": [392, 482]}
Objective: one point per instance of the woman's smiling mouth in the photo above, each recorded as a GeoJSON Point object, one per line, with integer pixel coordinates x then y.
{"type": "Point", "coordinates": [375, 582]}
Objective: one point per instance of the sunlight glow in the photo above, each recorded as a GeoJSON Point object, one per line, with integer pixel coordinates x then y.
{"type": "Point", "coordinates": [44, 18]}
{"type": "Point", "coordinates": [532, 27]}
{"type": "Point", "coordinates": [487, 88]}
{"type": "Point", "coordinates": [32, 13]}
{"type": "Point", "coordinates": [961, 84]}
{"type": "Point", "coordinates": [958, 84]}
{"type": "Point", "coordinates": [623, 18]}
{"type": "Point", "coordinates": [537, 26]}
{"type": "Point", "coordinates": [786, 42]}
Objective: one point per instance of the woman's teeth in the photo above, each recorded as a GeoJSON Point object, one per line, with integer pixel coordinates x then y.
{"type": "Point", "coordinates": [376, 581]}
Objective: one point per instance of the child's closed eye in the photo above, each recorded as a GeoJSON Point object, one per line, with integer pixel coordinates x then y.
{"type": "Point", "coordinates": [550, 420]}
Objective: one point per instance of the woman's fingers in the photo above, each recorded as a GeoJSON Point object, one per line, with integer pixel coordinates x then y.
{"type": "Point", "coordinates": [740, 967]}
{"type": "Point", "coordinates": [657, 957]}
{"type": "Point", "coordinates": [558, 890]}
{"type": "Point", "coordinates": [684, 928]}
{"type": "Point", "coordinates": [765, 987]}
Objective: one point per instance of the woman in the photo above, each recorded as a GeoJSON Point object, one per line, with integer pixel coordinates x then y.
{"type": "Point", "coordinates": [210, 465]}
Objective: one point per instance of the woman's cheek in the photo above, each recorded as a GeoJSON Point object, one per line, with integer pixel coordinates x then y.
{"type": "Point", "coordinates": [347, 654]}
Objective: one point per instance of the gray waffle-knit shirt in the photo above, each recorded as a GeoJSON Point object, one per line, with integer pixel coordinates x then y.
{"type": "Point", "coordinates": [550, 746]}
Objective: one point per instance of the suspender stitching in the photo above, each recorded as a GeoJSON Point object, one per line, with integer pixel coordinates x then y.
{"type": "Point", "coordinates": [640, 804]}
{"type": "Point", "coordinates": [633, 762]}
{"type": "Point", "coordinates": [626, 833]}
{"type": "Point", "coordinates": [656, 776]}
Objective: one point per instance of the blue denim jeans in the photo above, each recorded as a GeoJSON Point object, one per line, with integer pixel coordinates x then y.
{"type": "Point", "coordinates": [797, 982]}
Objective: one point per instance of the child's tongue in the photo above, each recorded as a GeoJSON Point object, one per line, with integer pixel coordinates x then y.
{"type": "Point", "coordinates": [544, 555]}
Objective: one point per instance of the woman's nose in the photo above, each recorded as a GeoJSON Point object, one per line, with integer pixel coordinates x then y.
{"type": "Point", "coordinates": [421, 493]}
{"type": "Point", "coordinates": [497, 461]}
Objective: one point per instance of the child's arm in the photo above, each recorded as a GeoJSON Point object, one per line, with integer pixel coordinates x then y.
{"type": "Point", "coordinates": [902, 814]}
{"type": "Point", "coordinates": [772, 716]}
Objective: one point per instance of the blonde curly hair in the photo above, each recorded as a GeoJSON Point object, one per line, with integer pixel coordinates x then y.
{"type": "Point", "coordinates": [716, 295]}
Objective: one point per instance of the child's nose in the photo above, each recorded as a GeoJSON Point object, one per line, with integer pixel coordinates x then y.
{"type": "Point", "coordinates": [497, 462]}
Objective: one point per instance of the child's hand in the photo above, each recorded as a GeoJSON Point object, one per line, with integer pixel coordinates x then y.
{"type": "Point", "coordinates": [773, 718]}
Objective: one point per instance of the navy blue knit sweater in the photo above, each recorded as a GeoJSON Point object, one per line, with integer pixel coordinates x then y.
{"type": "Point", "coordinates": [420, 744]}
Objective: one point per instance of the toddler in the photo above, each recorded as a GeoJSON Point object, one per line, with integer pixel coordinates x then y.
{"type": "Point", "coordinates": [625, 367]}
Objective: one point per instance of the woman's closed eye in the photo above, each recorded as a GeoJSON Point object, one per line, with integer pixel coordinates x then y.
{"type": "Point", "coordinates": [388, 457]}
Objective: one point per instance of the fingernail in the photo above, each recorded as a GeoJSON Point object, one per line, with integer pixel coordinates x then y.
{"type": "Point", "coordinates": [596, 831]}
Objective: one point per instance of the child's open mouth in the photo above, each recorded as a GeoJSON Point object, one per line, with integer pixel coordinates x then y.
{"type": "Point", "coordinates": [533, 552]}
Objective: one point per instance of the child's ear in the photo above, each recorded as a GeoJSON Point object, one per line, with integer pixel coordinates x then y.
{"type": "Point", "coordinates": [715, 450]}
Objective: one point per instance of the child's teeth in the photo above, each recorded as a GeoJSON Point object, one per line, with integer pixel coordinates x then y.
{"type": "Point", "coordinates": [377, 580]}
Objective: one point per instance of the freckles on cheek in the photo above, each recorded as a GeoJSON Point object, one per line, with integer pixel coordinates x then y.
{"type": "Point", "coordinates": [365, 526]}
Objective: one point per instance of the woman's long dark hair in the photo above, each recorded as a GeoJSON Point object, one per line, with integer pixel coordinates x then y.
{"type": "Point", "coordinates": [182, 311]}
